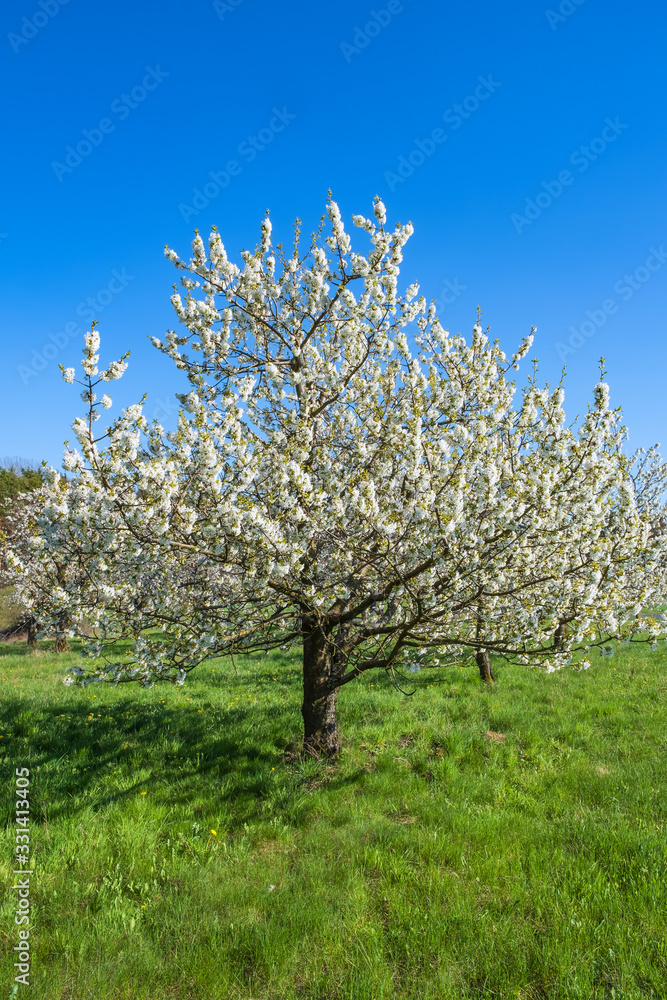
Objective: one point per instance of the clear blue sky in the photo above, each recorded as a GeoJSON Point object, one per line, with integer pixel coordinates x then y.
{"type": "Point", "coordinates": [541, 197]}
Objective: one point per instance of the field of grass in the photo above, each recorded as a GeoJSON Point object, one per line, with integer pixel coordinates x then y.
{"type": "Point", "coordinates": [469, 843]}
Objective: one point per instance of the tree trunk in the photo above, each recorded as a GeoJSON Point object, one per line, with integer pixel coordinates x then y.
{"type": "Point", "coordinates": [482, 657]}
{"type": "Point", "coordinates": [485, 669]}
{"type": "Point", "coordinates": [32, 632]}
{"type": "Point", "coordinates": [320, 728]}
{"type": "Point", "coordinates": [559, 635]}
{"type": "Point", "coordinates": [61, 645]}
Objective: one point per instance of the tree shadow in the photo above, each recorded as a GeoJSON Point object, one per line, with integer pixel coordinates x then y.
{"type": "Point", "coordinates": [76, 764]}
{"type": "Point", "coordinates": [198, 761]}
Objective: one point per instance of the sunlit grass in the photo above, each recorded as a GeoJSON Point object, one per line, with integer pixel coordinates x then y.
{"type": "Point", "coordinates": [470, 842]}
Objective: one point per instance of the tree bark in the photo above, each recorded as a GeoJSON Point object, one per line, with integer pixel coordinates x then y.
{"type": "Point", "coordinates": [320, 727]}
{"type": "Point", "coordinates": [482, 657]}
{"type": "Point", "coordinates": [559, 635]}
{"type": "Point", "coordinates": [32, 632]}
{"type": "Point", "coordinates": [485, 669]}
{"type": "Point", "coordinates": [61, 645]}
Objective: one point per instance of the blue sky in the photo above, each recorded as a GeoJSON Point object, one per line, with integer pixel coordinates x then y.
{"type": "Point", "coordinates": [526, 142]}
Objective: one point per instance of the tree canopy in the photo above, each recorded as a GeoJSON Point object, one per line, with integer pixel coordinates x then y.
{"type": "Point", "coordinates": [345, 476]}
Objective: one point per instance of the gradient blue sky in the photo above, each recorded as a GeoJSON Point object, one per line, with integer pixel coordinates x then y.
{"type": "Point", "coordinates": [354, 104]}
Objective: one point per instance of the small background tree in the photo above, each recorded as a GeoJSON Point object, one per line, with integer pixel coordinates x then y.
{"type": "Point", "coordinates": [18, 477]}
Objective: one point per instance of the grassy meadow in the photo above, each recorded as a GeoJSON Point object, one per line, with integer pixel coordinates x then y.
{"type": "Point", "coordinates": [471, 842]}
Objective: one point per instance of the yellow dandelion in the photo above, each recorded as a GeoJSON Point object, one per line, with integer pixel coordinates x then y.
{"type": "Point", "coordinates": [214, 833]}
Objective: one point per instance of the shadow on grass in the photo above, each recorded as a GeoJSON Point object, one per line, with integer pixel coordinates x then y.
{"type": "Point", "coordinates": [84, 758]}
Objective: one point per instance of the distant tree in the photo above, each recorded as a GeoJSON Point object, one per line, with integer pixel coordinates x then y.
{"type": "Point", "coordinates": [40, 571]}
{"type": "Point", "coordinates": [16, 477]}
{"type": "Point", "coordinates": [20, 501]}
{"type": "Point", "coordinates": [330, 487]}
{"type": "Point", "coordinates": [648, 472]}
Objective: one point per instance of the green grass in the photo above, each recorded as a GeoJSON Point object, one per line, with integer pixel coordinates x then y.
{"type": "Point", "coordinates": [429, 862]}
